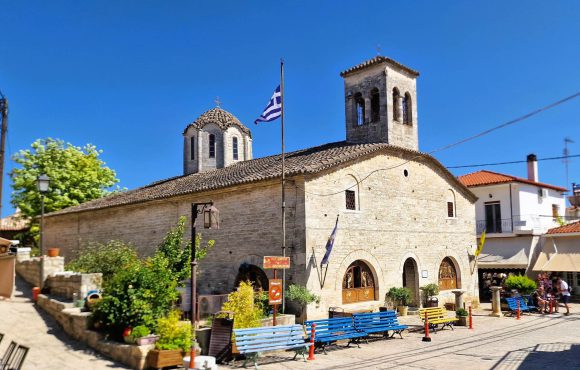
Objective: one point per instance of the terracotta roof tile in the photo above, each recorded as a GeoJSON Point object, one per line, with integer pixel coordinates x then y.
{"type": "Point", "coordinates": [481, 178]}
{"type": "Point", "coordinates": [15, 222]}
{"type": "Point", "coordinates": [223, 119]}
{"type": "Point", "coordinates": [377, 60]}
{"type": "Point", "coordinates": [300, 162]}
{"type": "Point", "coordinates": [570, 228]}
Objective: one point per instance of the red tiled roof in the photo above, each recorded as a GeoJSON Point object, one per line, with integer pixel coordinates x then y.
{"type": "Point", "coordinates": [484, 177]}
{"type": "Point", "coordinates": [570, 228]}
{"type": "Point", "coordinates": [15, 222]}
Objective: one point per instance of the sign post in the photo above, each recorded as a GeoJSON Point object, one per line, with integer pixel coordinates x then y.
{"type": "Point", "coordinates": [276, 286]}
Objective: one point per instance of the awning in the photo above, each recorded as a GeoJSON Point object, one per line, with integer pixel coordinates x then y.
{"type": "Point", "coordinates": [505, 253]}
{"type": "Point", "coordinates": [563, 256]}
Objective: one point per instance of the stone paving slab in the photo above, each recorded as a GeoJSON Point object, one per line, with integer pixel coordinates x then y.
{"type": "Point", "coordinates": [50, 347]}
{"type": "Point", "coordinates": [534, 342]}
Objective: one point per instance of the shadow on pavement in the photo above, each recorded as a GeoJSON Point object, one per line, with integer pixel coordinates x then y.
{"type": "Point", "coordinates": [542, 356]}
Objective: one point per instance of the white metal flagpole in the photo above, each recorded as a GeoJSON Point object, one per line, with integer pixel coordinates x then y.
{"type": "Point", "coordinates": [283, 189]}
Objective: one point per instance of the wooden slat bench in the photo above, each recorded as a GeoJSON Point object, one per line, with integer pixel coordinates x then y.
{"type": "Point", "coordinates": [253, 341]}
{"type": "Point", "coordinates": [331, 330]}
{"type": "Point", "coordinates": [379, 322]}
{"type": "Point", "coordinates": [437, 316]}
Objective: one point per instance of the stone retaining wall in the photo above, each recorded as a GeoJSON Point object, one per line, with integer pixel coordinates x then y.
{"type": "Point", "coordinates": [75, 323]}
{"type": "Point", "coordinates": [67, 283]}
{"type": "Point", "coordinates": [30, 269]}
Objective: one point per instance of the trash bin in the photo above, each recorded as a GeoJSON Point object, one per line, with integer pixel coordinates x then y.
{"type": "Point", "coordinates": [433, 302]}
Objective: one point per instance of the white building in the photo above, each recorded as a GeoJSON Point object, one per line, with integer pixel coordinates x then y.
{"type": "Point", "coordinates": [514, 212]}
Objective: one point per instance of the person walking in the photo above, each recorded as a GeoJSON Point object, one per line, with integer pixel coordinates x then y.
{"type": "Point", "coordinates": [564, 291]}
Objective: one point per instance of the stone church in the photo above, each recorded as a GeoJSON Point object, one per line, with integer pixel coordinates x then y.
{"type": "Point", "coordinates": [403, 218]}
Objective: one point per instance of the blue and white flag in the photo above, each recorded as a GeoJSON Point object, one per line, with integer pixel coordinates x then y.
{"type": "Point", "coordinates": [273, 109]}
{"type": "Point", "coordinates": [329, 244]}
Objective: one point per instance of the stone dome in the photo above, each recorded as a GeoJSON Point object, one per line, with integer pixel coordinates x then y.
{"type": "Point", "coordinates": [219, 117]}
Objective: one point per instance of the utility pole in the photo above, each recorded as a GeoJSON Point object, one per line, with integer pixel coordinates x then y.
{"type": "Point", "coordinates": [3, 130]}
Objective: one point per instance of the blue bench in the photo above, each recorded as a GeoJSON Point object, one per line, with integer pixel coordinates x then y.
{"type": "Point", "coordinates": [253, 341]}
{"type": "Point", "coordinates": [513, 304]}
{"type": "Point", "coordinates": [379, 322]}
{"type": "Point", "coordinates": [331, 330]}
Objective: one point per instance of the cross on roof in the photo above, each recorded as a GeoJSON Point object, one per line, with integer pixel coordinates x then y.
{"type": "Point", "coordinates": [218, 102]}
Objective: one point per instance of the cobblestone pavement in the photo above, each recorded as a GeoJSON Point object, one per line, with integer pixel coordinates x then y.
{"type": "Point", "coordinates": [534, 342]}
{"type": "Point", "coordinates": [50, 347]}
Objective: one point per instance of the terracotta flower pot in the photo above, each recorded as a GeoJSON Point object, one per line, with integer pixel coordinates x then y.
{"type": "Point", "coordinates": [53, 252]}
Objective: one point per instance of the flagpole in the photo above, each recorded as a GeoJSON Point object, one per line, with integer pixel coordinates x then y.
{"type": "Point", "coordinates": [283, 185]}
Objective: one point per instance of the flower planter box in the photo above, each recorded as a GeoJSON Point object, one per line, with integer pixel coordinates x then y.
{"type": "Point", "coordinates": [150, 339]}
{"type": "Point", "coordinates": [163, 358]}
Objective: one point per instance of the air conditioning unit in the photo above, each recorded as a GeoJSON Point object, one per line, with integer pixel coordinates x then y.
{"type": "Point", "coordinates": [210, 304]}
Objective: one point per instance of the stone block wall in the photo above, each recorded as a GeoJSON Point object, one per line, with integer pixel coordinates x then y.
{"type": "Point", "coordinates": [30, 269]}
{"type": "Point", "coordinates": [66, 284]}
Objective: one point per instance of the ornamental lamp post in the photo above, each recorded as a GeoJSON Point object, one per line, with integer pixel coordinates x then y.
{"type": "Point", "coordinates": [210, 221]}
{"type": "Point", "coordinates": [42, 184]}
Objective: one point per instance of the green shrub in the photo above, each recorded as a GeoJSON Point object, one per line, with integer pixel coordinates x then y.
{"type": "Point", "coordinates": [173, 333]}
{"type": "Point", "coordinates": [522, 284]}
{"type": "Point", "coordinates": [462, 312]}
{"type": "Point", "coordinates": [247, 312]}
{"type": "Point", "coordinates": [400, 295]}
{"type": "Point", "coordinates": [177, 250]}
{"type": "Point", "coordinates": [104, 258]}
{"type": "Point", "coordinates": [430, 290]}
{"type": "Point", "coordinates": [140, 331]}
{"type": "Point", "coordinates": [137, 295]}
{"type": "Point", "coordinates": [301, 294]}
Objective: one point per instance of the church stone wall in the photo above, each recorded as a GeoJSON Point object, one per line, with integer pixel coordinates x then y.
{"type": "Point", "coordinates": [398, 217]}
{"type": "Point", "coordinates": [250, 228]}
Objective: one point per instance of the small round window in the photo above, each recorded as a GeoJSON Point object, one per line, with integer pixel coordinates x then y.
{"type": "Point", "coordinates": [406, 173]}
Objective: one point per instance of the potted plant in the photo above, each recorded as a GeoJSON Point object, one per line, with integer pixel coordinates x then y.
{"type": "Point", "coordinates": [461, 314]}
{"type": "Point", "coordinates": [523, 284]}
{"type": "Point", "coordinates": [297, 298]}
{"type": "Point", "coordinates": [401, 297]}
{"type": "Point", "coordinates": [174, 340]}
{"type": "Point", "coordinates": [430, 291]}
{"type": "Point", "coordinates": [143, 336]}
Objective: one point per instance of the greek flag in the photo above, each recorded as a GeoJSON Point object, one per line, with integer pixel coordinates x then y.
{"type": "Point", "coordinates": [329, 245]}
{"type": "Point", "coordinates": [273, 109]}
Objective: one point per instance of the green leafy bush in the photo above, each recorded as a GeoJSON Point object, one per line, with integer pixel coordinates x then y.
{"type": "Point", "coordinates": [247, 312]}
{"type": "Point", "coordinates": [522, 284]}
{"type": "Point", "coordinates": [462, 312]}
{"type": "Point", "coordinates": [178, 251]}
{"type": "Point", "coordinates": [137, 295]}
{"type": "Point", "coordinates": [430, 290]}
{"type": "Point", "coordinates": [301, 294]}
{"type": "Point", "coordinates": [400, 295]}
{"type": "Point", "coordinates": [106, 258]}
{"type": "Point", "coordinates": [140, 331]}
{"type": "Point", "coordinates": [173, 333]}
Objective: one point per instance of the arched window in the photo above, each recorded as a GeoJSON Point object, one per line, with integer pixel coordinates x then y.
{"type": "Point", "coordinates": [451, 208]}
{"type": "Point", "coordinates": [447, 275]}
{"type": "Point", "coordinates": [254, 275]}
{"type": "Point", "coordinates": [375, 105]}
{"type": "Point", "coordinates": [407, 109]}
{"type": "Point", "coordinates": [211, 145]}
{"type": "Point", "coordinates": [358, 284]}
{"type": "Point", "coordinates": [359, 105]}
{"type": "Point", "coordinates": [192, 147]}
{"type": "Point", "coordinates": [235, 148]}
{"type": "Point", "coordinates": [396, 102]}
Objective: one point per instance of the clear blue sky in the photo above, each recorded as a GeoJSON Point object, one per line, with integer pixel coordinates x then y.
{"type": "Point", "coordinates": [128, 76]}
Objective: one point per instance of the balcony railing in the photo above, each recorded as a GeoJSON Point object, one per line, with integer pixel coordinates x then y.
{"type": "Point", "coordinates": [494, 226]}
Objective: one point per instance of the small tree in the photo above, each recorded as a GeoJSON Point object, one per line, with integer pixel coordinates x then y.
{"type": "Point", "coordinates": [400, 295]}
{"type": "Point", "coordinates": [430, 290]}
{"type": "Point", "coordinates": [522, 284]}
{"type": "Point", "coordinates": [242, 302]}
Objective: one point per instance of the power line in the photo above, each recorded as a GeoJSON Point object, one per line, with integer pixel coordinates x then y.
{"type": "Point", "coordinates": [511, 162]}
{"type": "Point", "coordinates": [462, 141]}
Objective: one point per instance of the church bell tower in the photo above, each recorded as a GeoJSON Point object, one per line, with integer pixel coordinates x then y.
{"type": "Point", "coordinates": [381, 103]}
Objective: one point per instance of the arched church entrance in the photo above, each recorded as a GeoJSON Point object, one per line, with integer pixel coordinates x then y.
{"type": "Point", "coordinates": [358, 284]}
{"type": "Point", "coordinates": [254, 275]}
{"type": "Point", "coordinates": [411, 280]}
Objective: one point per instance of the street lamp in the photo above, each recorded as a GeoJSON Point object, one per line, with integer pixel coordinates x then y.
{"type": "Point", "coordinates": [210, 221]}
{"type": "Point", "coordinates": [42, 183]}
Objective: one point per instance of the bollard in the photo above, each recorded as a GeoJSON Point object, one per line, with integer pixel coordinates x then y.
{"type": "Point", "coordinates": [551, 305]}
{"type": "Point", "coordinates": [426, 338]}
{"type": "Point", "coordinates": [470, 319]}
{"type": "Point", "coordinates": [518, 311]}
{"type": "Point", "coordinates": [311, 350]}
{"type": "Point", "coordinates": [35, 292]}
